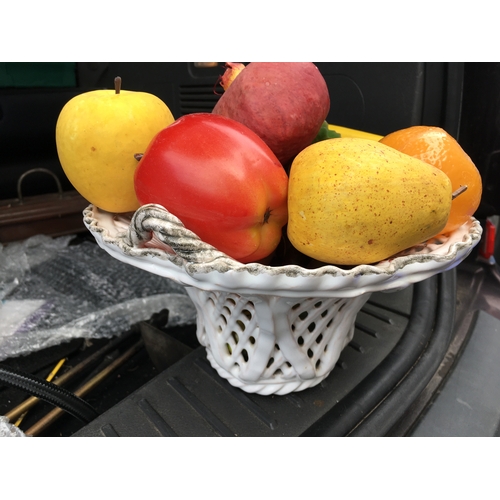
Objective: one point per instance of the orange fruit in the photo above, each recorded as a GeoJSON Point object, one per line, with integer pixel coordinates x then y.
{"type": "Point", "coordinates": [435, 146]}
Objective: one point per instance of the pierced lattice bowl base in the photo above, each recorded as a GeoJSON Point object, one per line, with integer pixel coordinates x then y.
{"type": "Point", "coordinates": [268, 330]}
{"type": "Point", "coordinates": [273, 345]}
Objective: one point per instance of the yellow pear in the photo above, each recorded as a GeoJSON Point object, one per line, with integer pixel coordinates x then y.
{"type": "Point", "coordinates": [356, 201]}
{"type": "Point", "coordinates": [97, 135]}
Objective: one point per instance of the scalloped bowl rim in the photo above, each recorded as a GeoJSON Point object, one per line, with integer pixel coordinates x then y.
{"type": "Point", "coordinates": [221, 272]}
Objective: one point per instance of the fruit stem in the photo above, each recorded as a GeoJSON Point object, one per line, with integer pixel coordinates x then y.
{"type": "Point", "coordinates": [458, 192]}
{"type": "Point", "coordinates": [267, 214]}
{"type": "Point", "coordinates": [118, 84]}
{"type": "Point", "coordinates": [232, 71]}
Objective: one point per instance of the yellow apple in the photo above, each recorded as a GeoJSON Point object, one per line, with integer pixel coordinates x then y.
{"type": "Point", "coordinates": [97, 135]}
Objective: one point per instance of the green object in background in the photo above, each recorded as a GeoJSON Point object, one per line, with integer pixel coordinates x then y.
{"type": "Point", "coordinates": [37, 74]}
{"type": "Point", "coordinates": [325, 133]}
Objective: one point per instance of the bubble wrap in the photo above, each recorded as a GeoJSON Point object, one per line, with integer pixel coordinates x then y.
{"type": "Point", "coordinates": [52, 291]}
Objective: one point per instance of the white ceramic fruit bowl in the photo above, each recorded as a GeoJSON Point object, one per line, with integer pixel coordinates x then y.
{"type": "Point", "coordinates": [268, 330]}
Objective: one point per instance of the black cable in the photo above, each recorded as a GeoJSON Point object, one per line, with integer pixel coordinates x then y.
{"type": "Point", "coordinates": [50, 393]}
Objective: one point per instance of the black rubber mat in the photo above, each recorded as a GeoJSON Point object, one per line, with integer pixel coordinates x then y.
{"type": "Point", "coordinates": [190, 399]}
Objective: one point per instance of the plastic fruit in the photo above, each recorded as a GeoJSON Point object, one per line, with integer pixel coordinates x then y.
{"type": "Point", "coordinates": [221, 180]}
{"type": "Point", "coordinates": [355, 201]}
{"type": "Point", "coordinates": [435, 146]}
{"type": "Point", "coordinates": [284, 103]}
{"type": "Point", "coordinates": [97, 135]}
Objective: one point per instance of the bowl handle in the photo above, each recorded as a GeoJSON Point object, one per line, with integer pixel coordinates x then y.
{"type": "Point", "coordinates": [154, 226]}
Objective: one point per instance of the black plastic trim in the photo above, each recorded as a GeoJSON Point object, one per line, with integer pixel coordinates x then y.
{"type": "Point", "coordinates": [359, 402]}
{"type": "Point", "coordinates": [387, 414]}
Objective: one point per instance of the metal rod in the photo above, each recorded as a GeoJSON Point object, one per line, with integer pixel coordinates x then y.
{"type": "Point", "coordinates": [53, 415]}
{"type": "Point", "coordinates": [49, 378]}
{"type": "Point", "coordinates": [66, 377]}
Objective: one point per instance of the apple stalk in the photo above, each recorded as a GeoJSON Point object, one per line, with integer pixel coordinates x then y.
{"type": "Point", "coordinates": [118, 84]}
